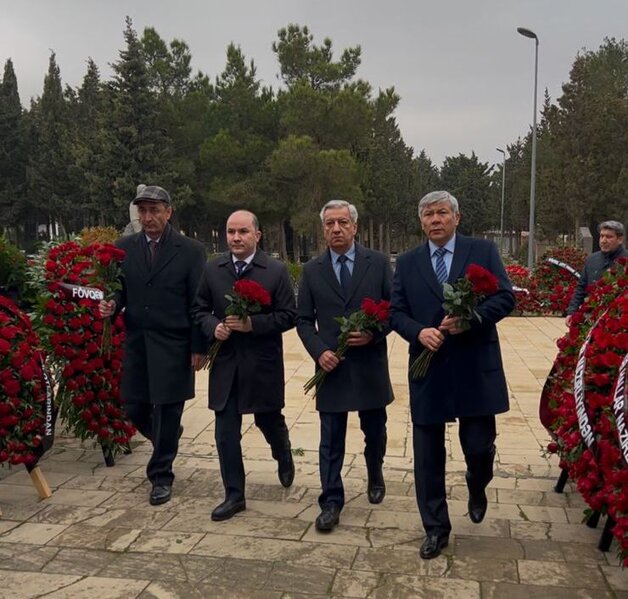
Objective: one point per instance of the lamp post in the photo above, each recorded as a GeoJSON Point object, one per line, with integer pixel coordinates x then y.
{"type": "Point", "coordinates": [501, 220]}
{"type": "Point", "coordinates": [531, 239]}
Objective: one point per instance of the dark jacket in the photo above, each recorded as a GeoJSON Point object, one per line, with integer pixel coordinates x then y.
{"type": "Point", "coordinates": [361, 381]}
{"type": "Point", "coordinates": [160, 333]}
{"type": "Point", "coordinates": [465, 377]}
{"type": "Point", "coordinates": [252, 361]}
{"type": "Point", "coordinates": [594, 268]}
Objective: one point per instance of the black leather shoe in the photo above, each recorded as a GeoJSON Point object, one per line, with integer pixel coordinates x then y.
{"type": "Point", "coordinates": [228, 509]}
{"type": "Point", "coordinates": [376, 493]}
{"type": "Point", "coordinates": [160, 494]}
{"type": "Point", "coordinates": [328, 518]}
{"type": "Point", "coordinates": [477, 507]}
{"type": "Point", "coordinates": [285, 468]}
{"type": "Point", "coordinates": [432, 546]}
{"type": "Point", "coordinates": [376, 486]}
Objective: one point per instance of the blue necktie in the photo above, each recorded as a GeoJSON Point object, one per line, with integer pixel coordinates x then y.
{"type": "Point", "coordinates": [345, 275]}
{"type": "Point", "coordinates": [240, 265]}
{"type": "Point", "coordinates": [441, 268]}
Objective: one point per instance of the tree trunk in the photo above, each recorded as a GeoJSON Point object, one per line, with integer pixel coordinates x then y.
{"type": "Point", "coordinates": [371, 240]}
{"type": "Point", "coordinates": [387, 247]}
{"type": "Point", "coordinates": [380, 235]}
{"type": "Point", "coordinates": [283, 248]}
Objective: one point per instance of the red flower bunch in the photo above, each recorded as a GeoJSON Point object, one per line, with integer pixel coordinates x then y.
{"type": "Point", "coordinates": [88, 379]}
{"type": "Point", "coordinates": [22, 388]}
{"type": "Point", "coordinates": [483, 281]}
{"type": "Point", "coordinates": [248, 297]}
{"type": "Point", "coordinates": [525, 288]}
{"type": "Point", "coordinates": [600, 473]}
{"type": "Point", "coordinates": [107, 261]}
{"type": "Point", "coordinates": [461, 301]}
{"type": "Point", "coordinates": [372, 316]}
{"type": "Point", "coordinates": [555, 278]}
{"type": "Point", "coordinates": [249, 293]}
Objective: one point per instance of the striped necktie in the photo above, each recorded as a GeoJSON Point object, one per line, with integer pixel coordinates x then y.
{"type": "Point", "coordinates": [441, 268]}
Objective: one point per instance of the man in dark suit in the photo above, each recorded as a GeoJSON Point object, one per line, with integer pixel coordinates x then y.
{"type": "Point", "coordinates": [611, 249]}
{"type": "Point", "coordinates": [248, 374]}
{"type": "Point", "coordinates": [163, 346]}
{"type": "Point", "coordinates": [465, 379]}
{"type": "Point", "coordinates": [333, 285]}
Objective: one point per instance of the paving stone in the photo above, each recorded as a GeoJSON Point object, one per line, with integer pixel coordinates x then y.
{"type": "Point", "coordinates": [79, 562]}
{"type": "Point", "coordinates": [302, 553]}
{"type": "Point", "coordinates": [561, 574]}
{"type": "Point", "coordinates": [304, 579]}
{"type": "Point", "coordinates": [355, 583]}
{"type": "Point", "coordinates": [503, 590]}
{"type": "Point", "coordinates": [616, 576]}
{"type": "Point", "coordinates": [34, 534]}
{"type": "Point", "coordinates": [420, 587]}
{"type": "Point", "coordinates": [151, 519]}
{"type": "Point", "coordinates": [401, 562]}
{"type": "Point", "coordinates": [103, 588]}
{"type": "Point", "coordinates": [477, 568]}
{"type": "Point", "coordinates": [93, 537]}
{"type": "Point", "coordinates": [24, 585]}
{"type": "Point", "coordinates": [79, 497]}
{"type": "Point", "coordinates": [342, 535]}
{"type": "Point", "coordinates": [487, 548]}
{"type": "Point", "coordinates": [23, 557]}
{"type": "Point", "coordinates": [66, 514]}
{"type": "Point", "coordinates": [165, 541]}
{"type": "Point", "coordinates": [271, 528]}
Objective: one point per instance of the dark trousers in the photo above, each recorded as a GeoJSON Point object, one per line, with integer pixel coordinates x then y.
{"type": "Point", "coordinates": [477, 438]}
{"type": "Point", "coordinates": [331, 451]}
{"type": "Point", "coordinates": [228, 435]}
{"type": "Point", "coordinates": [160, 425]}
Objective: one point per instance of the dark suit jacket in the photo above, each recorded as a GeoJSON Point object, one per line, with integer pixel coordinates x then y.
{"type": "Point", "coordinates": [361, 381]}
{"type": "Point", "coordinates": [594, 268]}
{"type": "Point", "coordinates": [160, 333]}
{"type": "Point", "coordinates": [465, 377]}
{"type": "Point", "coordinates": [253, 361]}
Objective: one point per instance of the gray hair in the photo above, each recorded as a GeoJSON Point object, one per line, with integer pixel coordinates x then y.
{"type": "Point", "coordinates": [353, 211]}
{"type": "Point", "coordinates": [434, 197]}
{"type": "Point", "coordinates": [613, 225]}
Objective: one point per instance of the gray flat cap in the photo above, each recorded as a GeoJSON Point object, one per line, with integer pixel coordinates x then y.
{"type": "Point", "coordinates": [152, 193]}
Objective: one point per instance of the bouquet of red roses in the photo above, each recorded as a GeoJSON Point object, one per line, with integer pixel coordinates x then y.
{"type": "Point", "coordinates": [461, 300]}
{"type": "Point", "coordinates": [247, 297]}
{"type": "Point", "coordinates": [371, 316]}
{"type": "Point", "coordinates": [107, 263]}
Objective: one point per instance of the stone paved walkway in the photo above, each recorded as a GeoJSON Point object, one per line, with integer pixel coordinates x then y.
{"type": "Point", "coordinates": [98, 536]}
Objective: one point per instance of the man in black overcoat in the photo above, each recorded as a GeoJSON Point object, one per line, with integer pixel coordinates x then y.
{"type": "Point", "coordinates": [248, 373]}
{"type": "Point", "coordinates": [163, 346]}
{"type": "Point", "coordinates": [333, 285]}
{"type": "Point", "coordinates": [465, 379]}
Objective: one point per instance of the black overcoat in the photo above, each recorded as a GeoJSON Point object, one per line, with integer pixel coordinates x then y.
{"type": "Point", "coordinates": [466, 376]}
{"type": "Point", "coordinates": [361, 381]}
{"type": "Point", "coordinates": [253, 361]}
{"type": "Point", "coordinates": [160, 332]}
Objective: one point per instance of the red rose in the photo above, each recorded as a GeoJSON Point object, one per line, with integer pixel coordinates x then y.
{"type": "Point", "coordinates": [483, 282]}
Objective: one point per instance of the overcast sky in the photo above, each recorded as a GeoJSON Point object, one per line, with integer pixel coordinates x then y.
{"type": "Point", "coordinates": [464, 75]}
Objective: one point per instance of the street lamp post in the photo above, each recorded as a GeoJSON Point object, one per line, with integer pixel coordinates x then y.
{"type": "Point", "coordinates": [531, 237]}
{"type": "Point", "coordinates": [501, 220]}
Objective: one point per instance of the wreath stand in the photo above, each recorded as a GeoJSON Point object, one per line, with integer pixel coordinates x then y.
{"type": "Point", "coordinates": [606, 538]}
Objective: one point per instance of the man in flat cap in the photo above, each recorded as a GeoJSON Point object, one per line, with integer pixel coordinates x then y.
{"type": "Point", "coordinates": [163, 346]}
